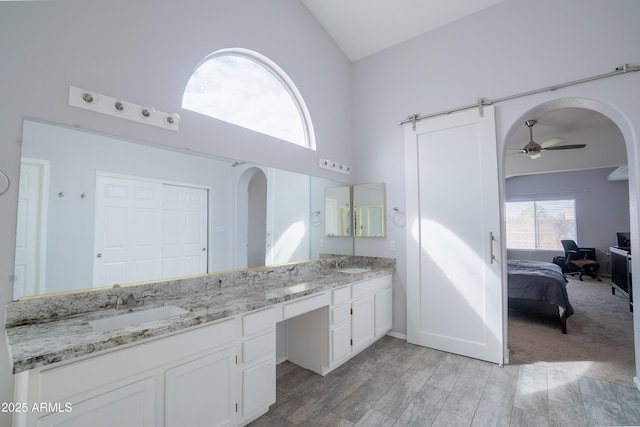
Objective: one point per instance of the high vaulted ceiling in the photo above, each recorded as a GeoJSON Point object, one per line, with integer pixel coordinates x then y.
{"type": "Point", "coordinates": [363, 27]}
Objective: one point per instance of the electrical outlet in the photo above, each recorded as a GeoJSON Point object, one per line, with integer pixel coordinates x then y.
{"type": "Point", "coordinates": [392, 245]}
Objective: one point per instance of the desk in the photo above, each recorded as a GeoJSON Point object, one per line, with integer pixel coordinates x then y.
{"type": "Point", "coordinates": [621, 273]}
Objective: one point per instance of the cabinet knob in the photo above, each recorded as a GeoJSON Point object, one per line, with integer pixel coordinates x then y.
{"type": "Point", "coordinates": [99, 256]}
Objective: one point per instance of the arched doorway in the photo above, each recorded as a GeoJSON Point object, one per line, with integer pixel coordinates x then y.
{"type": "Point", "coordinates": [576, 121]}
{"type": "Point", "coordinates": [251, 218]}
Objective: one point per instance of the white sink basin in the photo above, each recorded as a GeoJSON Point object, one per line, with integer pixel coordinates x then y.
{"type": "Point", "coordinates": [353, 270]}
{"type": "Point", "coordinates": [136, 318]}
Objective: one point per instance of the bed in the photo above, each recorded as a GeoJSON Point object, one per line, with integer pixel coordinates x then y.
{"type": "Point", "coordinates": [538, 286]}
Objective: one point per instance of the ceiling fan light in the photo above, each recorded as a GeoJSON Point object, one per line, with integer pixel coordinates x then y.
{"type": "Point", "coordinates": [535, 156]}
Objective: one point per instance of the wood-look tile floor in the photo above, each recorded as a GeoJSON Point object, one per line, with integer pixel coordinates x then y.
{"type": "Point", "coordinates": [394, 383]}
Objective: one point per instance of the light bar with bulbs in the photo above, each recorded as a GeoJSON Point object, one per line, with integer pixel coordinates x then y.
{"type": "Point", "coordinates": [93, 101]}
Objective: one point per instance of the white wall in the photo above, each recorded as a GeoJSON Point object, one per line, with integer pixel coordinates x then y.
{"type": "Point", "coordinates": [144, 52]}
{"type": "Point", "coordinates": [512, 47]}
{"type": "Point", "coordinates": [602, 207]}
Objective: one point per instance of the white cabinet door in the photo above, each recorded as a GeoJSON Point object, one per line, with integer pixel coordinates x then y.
{"type": "Point", "coordinates": [455, 298]}
{"type": "Point", "coordinates": [340, 341]}
{"type": "Point", "coordinates": [128, 406]}
{"type": "Point", "coordinates": [362, 322]}
{"type": "Point", "coordinates": [383, 305]}
{"type": "Point", "coordinates": [258, 387]}
{"type": "Point", "coordinates": [202, 392]}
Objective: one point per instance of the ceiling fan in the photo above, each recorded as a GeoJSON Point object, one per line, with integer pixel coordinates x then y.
{"type": "Point", "coordinates": [534, 150]}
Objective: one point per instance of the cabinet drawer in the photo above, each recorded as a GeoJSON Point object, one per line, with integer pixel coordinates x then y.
{"type": "Point", "coordinates": [370, 286]}
{"type": "Point", "coordinates": [60, 383]}
{"type": "Point", "coordinates": [259, 321]}
{"type": "Point", "coordinates": [259, 347]}
{"type": "Point", "coordinates": [340, 314]}
{"type": "Point", "coordinates": [296, 308]}
{"type": "Point", "coordinates": [341, 295]}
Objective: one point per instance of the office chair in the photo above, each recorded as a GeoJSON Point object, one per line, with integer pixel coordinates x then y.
{"type": "Point", "coordinates": [580, 261]}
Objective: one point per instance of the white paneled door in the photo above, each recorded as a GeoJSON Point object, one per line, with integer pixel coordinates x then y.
{"type": "Point", "coordinates": [184, 231]}
{"type": "Point", "coordinates": [146, 230]}
{"type": "Point", "coordinates": [454, 277]}
{"type": "Point", "coordinates": [31, 230]}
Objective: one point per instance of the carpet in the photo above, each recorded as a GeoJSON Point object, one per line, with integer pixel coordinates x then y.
{"type": "Point", "coordinates": [599, 339]}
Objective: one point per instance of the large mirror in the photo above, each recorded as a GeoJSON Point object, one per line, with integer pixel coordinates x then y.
{"type": "Point", "coordinates": [369, 209]}
{"type": "Point", "coordinates": [96, 210]}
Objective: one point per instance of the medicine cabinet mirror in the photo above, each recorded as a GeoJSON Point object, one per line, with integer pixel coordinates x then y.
{"type": "Point", "coordinates": [369, 210]}
{"type": "Point", "coordinates": [338, 211]}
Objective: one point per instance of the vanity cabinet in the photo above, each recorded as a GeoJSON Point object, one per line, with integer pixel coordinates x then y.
{"type": "Point", "coordinates": [221, 373]}
{"type": "Point", "coordinates": [358, 314]}
{"type": "Point", "coordinates": [189, 380]}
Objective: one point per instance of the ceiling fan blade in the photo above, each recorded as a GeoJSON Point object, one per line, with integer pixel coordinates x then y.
{"type": "Point", "coordinates": [566, 147]}
{"type": "Point", "coordinates": [550, 142]}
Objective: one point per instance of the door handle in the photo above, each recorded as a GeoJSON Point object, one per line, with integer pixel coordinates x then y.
{"type": "Point", "coordinates": [492, 239]}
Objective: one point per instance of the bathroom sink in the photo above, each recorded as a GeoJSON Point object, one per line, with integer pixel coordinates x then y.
{"type": "Point", "coordinates": [353, 270]}
{"type": "Point", "coordinates": [136, 318]}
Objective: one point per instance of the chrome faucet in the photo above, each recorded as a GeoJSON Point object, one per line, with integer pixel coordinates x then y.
{"type": "Point", "coordinates": [129, 302]}
{"type": "Point", "coordinates": [340, 263]}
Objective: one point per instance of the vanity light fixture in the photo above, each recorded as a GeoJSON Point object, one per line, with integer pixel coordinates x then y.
{"type": "Point", "coordinates": [88, 100]}
{"type": "Point", "coordinates": [334, 166]}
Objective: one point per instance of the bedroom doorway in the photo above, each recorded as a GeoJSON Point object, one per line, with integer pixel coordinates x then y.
{"type": "Point", "coordinates": [594, 176]}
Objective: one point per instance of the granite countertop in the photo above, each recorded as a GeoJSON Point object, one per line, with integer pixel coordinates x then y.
{"type": "Point", "coordinates": [42, 341]}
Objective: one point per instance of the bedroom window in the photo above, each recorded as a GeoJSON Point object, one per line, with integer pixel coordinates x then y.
{"type": "Point", "coordinates": [540, 224]}
{"type": "Point", "coordinates": [247, 89]}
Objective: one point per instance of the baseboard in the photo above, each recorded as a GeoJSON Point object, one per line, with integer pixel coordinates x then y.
{"type": "Point", "coordinates": [397, 335]}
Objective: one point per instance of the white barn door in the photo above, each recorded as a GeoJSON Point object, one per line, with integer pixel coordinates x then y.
{"type": "Point", "coordinates": [454, 277]}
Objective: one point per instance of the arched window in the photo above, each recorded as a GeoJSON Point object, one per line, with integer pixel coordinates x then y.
{"type": "Point", "coordinates": [247, 89]}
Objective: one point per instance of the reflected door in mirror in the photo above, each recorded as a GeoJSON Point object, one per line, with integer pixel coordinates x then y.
{"type": "Point", "coordinates": [368, 209]}
{"type": "Point", "coordinates": [338, 211]}
{"type": "Point", "coordinates": [147, 231]}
